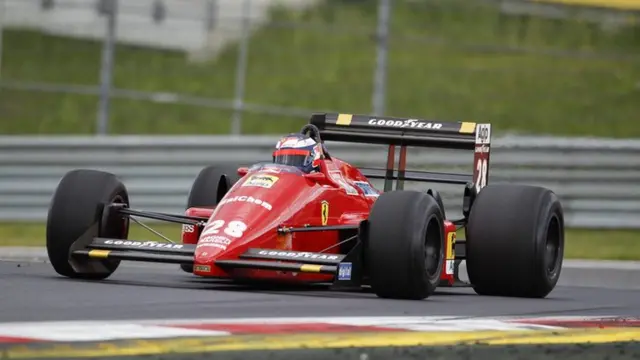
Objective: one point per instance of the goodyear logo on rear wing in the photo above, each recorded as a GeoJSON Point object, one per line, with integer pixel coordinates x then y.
{"type": "Point", "coordinates": [347, 119]}
{"type": "Point", "coordinates": [465, 127]}
{"type": "Point", "coordinates": [265, 181]}
{"type": "Point", "coordinates": [408, 123]}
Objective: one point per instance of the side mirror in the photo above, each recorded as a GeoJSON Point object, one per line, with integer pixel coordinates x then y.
{"type": "Point", "coordinates": [318, 177]}
{"type": "Point", "coordinates": [243, 171]}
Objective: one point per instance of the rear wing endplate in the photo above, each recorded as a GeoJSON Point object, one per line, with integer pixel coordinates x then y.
{"type": "Point", "coordinates": [405, 132]}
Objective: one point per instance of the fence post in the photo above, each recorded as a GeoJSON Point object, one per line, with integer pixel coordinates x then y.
{"type": "Point", "coordinates": [212, 14]}
{"type": "Point", "coordinates": [1, 33]}
{"type": "Point", "coordinates": [106, 68]}
{"type": "Point", "coordinates": [382, 51]}
{"type": "Point", "coordinates": [241, 70]}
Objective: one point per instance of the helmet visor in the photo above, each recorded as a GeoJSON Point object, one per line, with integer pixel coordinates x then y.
{"type": "Point", "coordinates": [297, 158]}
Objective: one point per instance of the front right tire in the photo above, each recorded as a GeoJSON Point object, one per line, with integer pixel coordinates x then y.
{"type": "Point", "coordinates": [404, 251]}
{"type": "Point", "coordinates": [209, 187]}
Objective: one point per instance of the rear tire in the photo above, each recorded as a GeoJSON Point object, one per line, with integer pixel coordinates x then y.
{"type": "Point", "coordinates": [515, 241]}
{"type": "Point", "coordinates": [436, 195]}
{"type": "Point", "coordinates": [209, 187]}
{"type": "Point", "coordinates": [74, 215]}
{"type": "Point", "coordinates": [405, 247]}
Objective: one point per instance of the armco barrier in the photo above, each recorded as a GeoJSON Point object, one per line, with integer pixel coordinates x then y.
{"type": "Point", "coordinates": [597, 180]}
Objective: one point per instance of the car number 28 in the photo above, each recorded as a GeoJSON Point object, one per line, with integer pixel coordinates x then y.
{"type": "Point", "coordinates": [234, 228]}
{"type": "Point", "coordinates": [481, 168]}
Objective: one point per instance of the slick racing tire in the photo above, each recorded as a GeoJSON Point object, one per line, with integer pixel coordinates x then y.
{"type": "Point", "coordinates": [515, 241]}
{"type": "Point", "coordinates": [78, 213]}
{"type": "Point", "coordinates": [436, 195]}
{"type": "Point", "coordinates": [404, 251]}
{"type": "Point", "coordinates": [209, 187]}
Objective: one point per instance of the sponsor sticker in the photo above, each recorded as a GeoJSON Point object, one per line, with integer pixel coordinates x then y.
{"type": "Point", "coordinates": [220, 246]}
{"type": "Point", "coordinates": [344, 271]}
{"type": "Point", "coordinates": [298, 255]}
{"type": "Point", "coordinates": [450, 269]}
{"type": "Point", "coordinates": [204, 268]}
{"type": "Point", "coordinates": [324, 212]}
{"type": "Point", "coordinates": [450, 254]}
{"type": "Point", "coordinates": [214, 241]}
{"type": "Point", "coordinates": [151, 244]}
{"type": "Point", "coordinates": [265, 181]}
{"type": "Point", "coordinates": [367, 188]}
{"type": "Point", "coordinates": [408, 123]}
{"type": "Point", "coordinates": [336, 175]}
{"type": "Point", "coordinates": [451, 246]}
{"type": "Point", "coordinates": [483, 134]}
{"type": "Point", "coordinates": [188, 228]}
{"type": "Point", "coordinates": [247, 199]}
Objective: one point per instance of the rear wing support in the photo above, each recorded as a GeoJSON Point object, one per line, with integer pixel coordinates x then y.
{"type": "Point", "coordinates": [404, 132]}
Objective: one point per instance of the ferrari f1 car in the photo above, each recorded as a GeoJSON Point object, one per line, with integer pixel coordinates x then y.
{"type": "Point", "coordinates": [275, 222]}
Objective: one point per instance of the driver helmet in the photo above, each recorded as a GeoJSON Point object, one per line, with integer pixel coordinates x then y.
{"type": "Point", "coordinates": [300, 151]}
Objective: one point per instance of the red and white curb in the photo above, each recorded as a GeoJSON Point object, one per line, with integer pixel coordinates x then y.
{"type": "Point", "coordinates": [74, 331]}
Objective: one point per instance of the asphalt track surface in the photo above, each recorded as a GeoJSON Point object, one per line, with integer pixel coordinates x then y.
{"type": "Point", "coordinates": [34, 292]}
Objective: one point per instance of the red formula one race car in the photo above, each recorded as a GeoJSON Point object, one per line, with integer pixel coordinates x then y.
{"type": "Point", "coordinates": [309, 217]}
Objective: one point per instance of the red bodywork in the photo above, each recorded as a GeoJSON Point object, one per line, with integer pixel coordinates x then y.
{"type": "Point", "coordinates": [264, 200]}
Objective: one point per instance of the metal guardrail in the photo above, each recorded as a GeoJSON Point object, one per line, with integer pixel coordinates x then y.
{"type": "Point", "coordinates": [597, 180]}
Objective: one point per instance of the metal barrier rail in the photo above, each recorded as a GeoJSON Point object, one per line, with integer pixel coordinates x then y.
{"type": "Point", "coordinates": [598, 180]}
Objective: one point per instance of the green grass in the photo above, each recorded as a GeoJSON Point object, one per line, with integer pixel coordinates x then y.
{"type": "Point", "coordinates": [580, 244]}
{"type": "Point", "coordinates": [331, 67]}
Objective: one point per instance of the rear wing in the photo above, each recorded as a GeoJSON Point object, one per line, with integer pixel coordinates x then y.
{"type": "Point", "coordinates": [405, 132]}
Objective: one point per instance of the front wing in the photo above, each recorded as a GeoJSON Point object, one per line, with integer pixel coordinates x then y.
{"type": "Point", "coordinates": [346, 268]}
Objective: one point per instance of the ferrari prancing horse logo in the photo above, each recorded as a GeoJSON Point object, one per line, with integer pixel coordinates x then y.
{"type": "Point", "coordinates": [325, 212]}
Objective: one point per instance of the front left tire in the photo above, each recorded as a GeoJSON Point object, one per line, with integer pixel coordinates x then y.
{"type": "Point", "coordinates": [77, 214]}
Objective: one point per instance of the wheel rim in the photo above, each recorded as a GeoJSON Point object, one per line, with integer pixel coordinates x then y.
{"type": "Point", "coordinates": [432, 248]}
{"type": "Point", "coordinates": [552, 246]}
{"type": "Point", "coordinates": [116, 226]}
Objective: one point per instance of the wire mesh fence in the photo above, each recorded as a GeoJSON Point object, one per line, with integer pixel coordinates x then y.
{"type": "Point", "coordinates": [255, 66]}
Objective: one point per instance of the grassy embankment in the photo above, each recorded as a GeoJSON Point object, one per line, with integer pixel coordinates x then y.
{"type": "Point", "coordinates": [314, 69]}
{"type": "Point", "coordinates": [331, 67]}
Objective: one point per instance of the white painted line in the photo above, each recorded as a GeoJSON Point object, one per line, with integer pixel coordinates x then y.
{"type": "Point", "coordinates": [94, 331]}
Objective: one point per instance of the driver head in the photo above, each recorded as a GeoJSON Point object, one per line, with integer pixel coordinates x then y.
{"type": "Point", "coordinates": [300, 151]}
